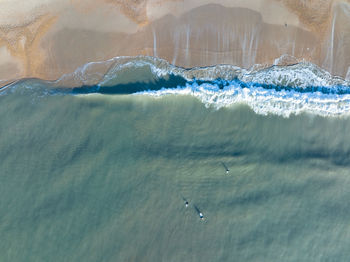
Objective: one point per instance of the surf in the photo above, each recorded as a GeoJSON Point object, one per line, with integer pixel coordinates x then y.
{"type": "Point", "coordinates": [278, 89]}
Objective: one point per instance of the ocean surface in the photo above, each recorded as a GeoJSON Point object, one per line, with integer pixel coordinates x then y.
{"type": "Point", "coordinates": [101, 172]}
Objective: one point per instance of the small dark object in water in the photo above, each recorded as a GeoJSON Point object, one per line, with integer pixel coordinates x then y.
{"type": "Point", "coordinates": [226, 168]}
{"type": "Point", "coordinates": [186, 203]}
{"type": "Point", "coordinates": [201, 216]}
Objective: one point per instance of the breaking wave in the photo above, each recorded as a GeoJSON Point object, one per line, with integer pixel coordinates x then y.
{"type": "Point", "coordinates": [281, 90]}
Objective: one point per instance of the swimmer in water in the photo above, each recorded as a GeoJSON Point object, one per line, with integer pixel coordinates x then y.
{"type": "Point", "coordinates": [226, 168]}
{"type": "Point", "coordinates": [186, 203]}
{"type": "Point", "coordinates": [201, 216]}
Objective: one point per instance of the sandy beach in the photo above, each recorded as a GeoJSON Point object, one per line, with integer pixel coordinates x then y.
{"type": "Point", "coordinates": [52, 38]}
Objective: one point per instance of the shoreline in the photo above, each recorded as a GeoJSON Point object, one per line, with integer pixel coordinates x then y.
{"type": "Point", "coordinates": [240, 33]}
{"type": "Point", "coordinates": [283, 90]}
{"type": "Point", "coordinates": [93, 73]}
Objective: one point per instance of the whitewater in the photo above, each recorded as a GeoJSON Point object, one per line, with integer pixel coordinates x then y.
{"type": "Point", "coordinates": [278, 89]}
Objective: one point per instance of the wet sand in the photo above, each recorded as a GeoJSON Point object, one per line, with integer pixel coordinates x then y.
{"type": "Point", "coordinates": [58, 37]}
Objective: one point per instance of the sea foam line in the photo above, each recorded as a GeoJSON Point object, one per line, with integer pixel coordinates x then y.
{"type": "Point", "coordinates": [281, 90]}
{"type": "Point", "coordinates": [262, 101]}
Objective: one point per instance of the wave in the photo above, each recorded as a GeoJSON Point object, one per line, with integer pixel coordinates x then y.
{"type": "Point", "coordinates": [263, 101]}
{"type": "Point", "coordinates": [124, 70]}
{"type": "Point", "coordinates": [279, 89]}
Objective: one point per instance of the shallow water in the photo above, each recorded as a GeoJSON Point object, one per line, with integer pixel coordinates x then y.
{"type": "Point", "coordinates": [104, 178]}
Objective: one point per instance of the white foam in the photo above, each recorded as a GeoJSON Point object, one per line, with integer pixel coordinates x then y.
{"type": "Point", "coordinates": [263, 101]}
{"type": "Point", "coordinates": [300, 75]}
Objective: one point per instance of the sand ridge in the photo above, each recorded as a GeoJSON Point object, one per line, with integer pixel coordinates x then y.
{"type": "Point", "coordinates": [23, 42]}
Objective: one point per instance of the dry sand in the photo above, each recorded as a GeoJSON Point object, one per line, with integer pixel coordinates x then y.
{"type": "Point", "coordinates": [47, 39]}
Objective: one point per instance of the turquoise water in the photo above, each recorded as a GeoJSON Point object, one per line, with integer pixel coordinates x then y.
{"type": "Point", "coordinates": [104, 178]}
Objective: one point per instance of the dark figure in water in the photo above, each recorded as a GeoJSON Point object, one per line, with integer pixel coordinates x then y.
{"type": "Point", "coordinates": [185, 200]}
{"type": "Point", "coordinates": [226, 168]}
{"type": "Point", "coordinates": [201, 216]}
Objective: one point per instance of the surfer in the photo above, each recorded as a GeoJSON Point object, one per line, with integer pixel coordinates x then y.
{"type": "Point", "coordinates": [226, 168]}
{"type": "Point", "coordinates": [201, 215]}
{"type": "Point", "coordinates": [186, 203]}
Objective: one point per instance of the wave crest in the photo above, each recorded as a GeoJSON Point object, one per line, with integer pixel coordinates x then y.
{"type": "Point", "coordinates": [277, 89]}
{"type": "Point", "coordinates": [302, 74]}
{"type": "Point", "coordinates": [263, 101]}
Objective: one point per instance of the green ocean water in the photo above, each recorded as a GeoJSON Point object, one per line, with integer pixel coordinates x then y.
{"type": "Point", "coordinates": [105, 177]}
